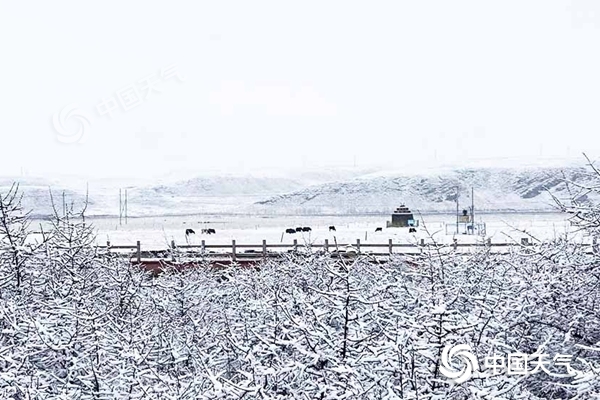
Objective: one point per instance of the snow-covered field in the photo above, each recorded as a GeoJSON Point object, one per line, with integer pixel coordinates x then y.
{"type": "Point", "coordinates": [156, 232]}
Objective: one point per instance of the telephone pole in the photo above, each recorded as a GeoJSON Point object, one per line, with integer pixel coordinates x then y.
{"type": "Point", "coordinates": [473, 210]}
{"type": "Point", "coordinates": [120, 207]}
{"type": "Point", "coordinates": [457, 211]}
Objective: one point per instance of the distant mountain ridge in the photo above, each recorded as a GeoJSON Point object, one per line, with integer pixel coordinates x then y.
{"type": "Point", "coordinates": [220, 193]}
{"type": "Point", "coordinates": [334, 192]}
{"type": "Point", "coordinates": [38, 195]}
{"type": "Point", "coordinates": [496, 189]}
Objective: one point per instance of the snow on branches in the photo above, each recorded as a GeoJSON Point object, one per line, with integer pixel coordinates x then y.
{"type": "Point", "coordinates": [308, 327]}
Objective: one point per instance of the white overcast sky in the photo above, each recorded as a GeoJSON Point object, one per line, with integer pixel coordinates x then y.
{"type": "Point", "coordinates": [288, 85]}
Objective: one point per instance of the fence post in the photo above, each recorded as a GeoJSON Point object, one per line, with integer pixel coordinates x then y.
{"type": "Point", "coordinates": [202, 248]}
{"type": "Point", "coordinates": [390, 247]}
{"type": "Point", "coordinates": [233, 249]}
{"type": "Point", "coordinates": [173, 250]}
{"type": "Point", "coordinates": [422, 242]}
{"type": "Point", "coordinates": [489, 242]}
{"type": "Point", "coordinates": [326, 245]}
{"type": "Point", "coordinates": [139, 252]}
{"type": "Point", "coordinates": [295, 245]}
{"type": "Point", "coordinates": [264, 247]}
{"type": "Point", "coordinates": [358, 245]}
{"type": "Point", "coordinates": [108, 246]}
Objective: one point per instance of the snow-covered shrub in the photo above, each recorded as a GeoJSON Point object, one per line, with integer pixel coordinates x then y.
{"type": "Point", "coordinates": [91, 326]}
{"type": "Point", "coordinates": [14, 251]}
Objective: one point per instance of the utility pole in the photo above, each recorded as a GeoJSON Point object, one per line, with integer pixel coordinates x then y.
{"type": "Point", "coordinates": [457, 211]}
{"type": "Point", "coordinates": [87, 199]}
{"type": "Point", "coordinates": [120, 207]}
{"type": "Point", "coordinates": [472, 210]}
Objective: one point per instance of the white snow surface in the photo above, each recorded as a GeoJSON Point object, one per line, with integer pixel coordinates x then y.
{"type": "Point", "coordinates": [156, 233]}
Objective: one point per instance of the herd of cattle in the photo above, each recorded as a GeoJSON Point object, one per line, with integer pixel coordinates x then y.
{"type": "Point", "coordinates": [210, 231]}
{"type": "Point", "coordinates": [308, 229]}
{"type": "Point", "coordinates": [298, 229]}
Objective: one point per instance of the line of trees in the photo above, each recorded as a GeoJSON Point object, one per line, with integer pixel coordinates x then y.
{"type": "Point", "coordinates": [77, 324]}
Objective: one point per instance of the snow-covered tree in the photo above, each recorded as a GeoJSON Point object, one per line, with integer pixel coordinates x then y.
{"type": "Point", "coordinates": [14, 223]}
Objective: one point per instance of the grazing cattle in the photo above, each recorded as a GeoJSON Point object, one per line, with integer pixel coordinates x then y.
{"type": "Point", "coordinates": [208, 231]}
{"type": "Point", "coordinates": [290, 230]}
{"type": "Point", "coordinates": [412, 230]}
{"type": "Point", "coordinates": [306, 229]}
{"type": "Point", "coordinates": [332, 228]}
{"type": "Point", "coordinates": [299, 229]}
{"type": "Point", "coordinates": [189, 232]}
{"type": "Point", "coordinates": [378, 229]}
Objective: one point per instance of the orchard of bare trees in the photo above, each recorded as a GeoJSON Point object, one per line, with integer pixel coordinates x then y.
{"type": "Point", "coordinates": [77, 324]}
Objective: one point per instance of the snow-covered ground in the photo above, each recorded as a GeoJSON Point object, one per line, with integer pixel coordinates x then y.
{"type": "Point", "coordinates": [156, 232]}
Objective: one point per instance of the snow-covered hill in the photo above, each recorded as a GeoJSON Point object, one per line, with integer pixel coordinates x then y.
{"type": "Point", "coordinates": [203, 193]}
{"type": "Point", "coordinates": [496, 189]}
{"type": "Point", "coordinates": [38, 194]}
{"type": "Point", "coordinates": [310, 192]}
{"type": "Point", "coordinates": [226, 192]}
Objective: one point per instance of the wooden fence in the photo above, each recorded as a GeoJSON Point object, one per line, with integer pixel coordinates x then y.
{"type": "Point", "coordinates": [235, 251]}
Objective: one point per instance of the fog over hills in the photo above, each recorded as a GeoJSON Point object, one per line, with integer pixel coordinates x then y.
{"type": "Point", "coordinates": [206, 192]}
{"type": "Point", "coordinates": [496, 189]}
{"type": "Point", "coordinates": [333, 191]}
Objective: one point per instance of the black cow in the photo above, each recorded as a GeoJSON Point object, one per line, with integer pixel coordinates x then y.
{"type": "Point", "coordinates": [299, 229]}
{"type": "Point", "coordinates": [412, 230]}
{"type": "Point", "coordinates": [208, 231]}
{"type": "Point", "coordinates": [189, 232]}
{"type": "Point", "coordinates": [379, 229]}
{"type": "Point", "coordinates": [306, 229]}
{"type": "Point", "coordinates": [290, 230]}
{"type": "Point", "coordinates": [332, 228]}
